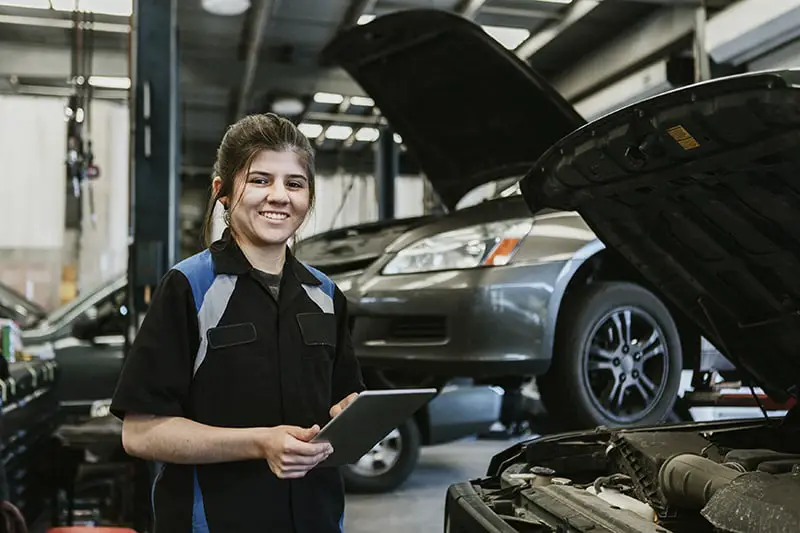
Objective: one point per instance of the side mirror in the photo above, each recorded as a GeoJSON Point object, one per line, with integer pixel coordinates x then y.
{"type": "Point", "coordinates": [85, 329]}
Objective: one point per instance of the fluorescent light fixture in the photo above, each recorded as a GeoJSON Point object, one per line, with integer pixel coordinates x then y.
{"type": "Point", "coordinates": [312, 131]}
{"type": "Point", "coordinates": [362, 101]}
{"type": "Point", "coordinates": [555, 1]}
{"type": "Point", "coordinates": [367, 134]}
{"type": "Point", "coordinates": [328, 98]}
{"type": "Point", "coordinates": [365, 19]}
{"type": "Point", "coordinates": [31, 4]}
{"type": "Point", "coordinates": [508, 37]}
{"type": "Point", "coordinates": [226, 8]}
{"type": "Point", "coordinates": [110, 82]}
{"type": "Point", "coordinates": [338, 133]}
{"type": "Point", "coordinates": [120, 8]}
{"type": "Point", "coordinates": [398, 139]}
{"type": "Point", "coordinates": [288, 106]}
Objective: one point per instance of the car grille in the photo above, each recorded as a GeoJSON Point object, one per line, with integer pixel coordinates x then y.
{"type": "Point", "coordinates": [395, 329]}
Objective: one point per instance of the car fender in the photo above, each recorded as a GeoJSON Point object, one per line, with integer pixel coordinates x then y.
{"type": "Point", "coordinates": [563, 280]}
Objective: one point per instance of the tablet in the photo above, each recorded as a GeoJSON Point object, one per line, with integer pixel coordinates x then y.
{"type": "Point", "coordinates": [363, 423]}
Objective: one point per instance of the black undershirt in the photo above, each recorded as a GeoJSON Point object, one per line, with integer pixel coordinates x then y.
{"type": "Point", "coordinates": [272, 282]}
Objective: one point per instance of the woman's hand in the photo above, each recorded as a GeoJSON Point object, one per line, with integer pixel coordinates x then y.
{"type": "Point", "coordinates": [339, 407]}
{"type": "Point", "coordinates": [288, 451]}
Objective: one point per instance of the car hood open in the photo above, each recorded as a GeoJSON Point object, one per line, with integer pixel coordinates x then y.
{"type": "Point", "coordinates": [469, 110]}
{"type": "Point", "coordinates": [699, 188]}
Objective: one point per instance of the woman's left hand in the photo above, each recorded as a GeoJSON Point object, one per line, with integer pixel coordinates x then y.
{"type": "Point", "coordinates": [339, 407]}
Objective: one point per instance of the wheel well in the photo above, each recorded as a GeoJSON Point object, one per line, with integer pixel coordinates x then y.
{"type": "Point", "coordinates": [606, 265]}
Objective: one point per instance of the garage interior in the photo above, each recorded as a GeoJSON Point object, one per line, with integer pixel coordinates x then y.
{"type": "Point", "coordinates": [454, 212]}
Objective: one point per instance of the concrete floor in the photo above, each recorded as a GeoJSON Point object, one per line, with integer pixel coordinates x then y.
{"type": "Point", "coordinates": [419, 504]}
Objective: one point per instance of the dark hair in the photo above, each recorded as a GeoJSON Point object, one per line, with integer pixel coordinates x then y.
{"type": "Point", "coordinates": [244, 140]}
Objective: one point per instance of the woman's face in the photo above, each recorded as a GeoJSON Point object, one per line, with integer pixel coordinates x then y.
{"type": "Point", "coordinates": [271, 201]}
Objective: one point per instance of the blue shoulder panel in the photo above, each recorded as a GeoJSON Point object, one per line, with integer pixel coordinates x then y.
{"type": "Point", "coordinates": [327, 285]}
{"type": "Point", "coordinates": [199, 270]}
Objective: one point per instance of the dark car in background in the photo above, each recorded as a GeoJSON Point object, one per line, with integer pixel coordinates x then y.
{"type": "Point", "coordinates": [697, 190]}
{"type": "Point", "coordinates": [84, 336]}
{"type": "Point", "coordinates": [497, 293]}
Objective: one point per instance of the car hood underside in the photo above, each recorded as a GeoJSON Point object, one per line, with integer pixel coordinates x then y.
{"type": "Point", "coordinates": [699, 189]}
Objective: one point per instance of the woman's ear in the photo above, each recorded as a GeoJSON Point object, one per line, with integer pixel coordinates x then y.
{"type": "Point", "coordinates": [216, 186]}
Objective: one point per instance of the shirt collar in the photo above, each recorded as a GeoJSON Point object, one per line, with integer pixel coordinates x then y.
{"type": "Point", "coordinates": [229, 259]}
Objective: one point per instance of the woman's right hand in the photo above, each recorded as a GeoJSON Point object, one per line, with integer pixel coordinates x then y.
{"type": "Point", "coordinates": [288, 450]}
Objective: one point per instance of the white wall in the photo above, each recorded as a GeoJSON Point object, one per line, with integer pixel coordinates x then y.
{"type": "Point", "coordinates": [104, 236]}
{"type": "Point", "coordinates": [34, 245]}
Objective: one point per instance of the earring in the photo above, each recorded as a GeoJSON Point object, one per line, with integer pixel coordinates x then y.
{"type": "Point", "coordinates": [226, 216]}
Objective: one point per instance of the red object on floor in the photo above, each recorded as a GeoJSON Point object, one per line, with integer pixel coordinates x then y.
{"type": "Point", "coordinates": [87, 529]}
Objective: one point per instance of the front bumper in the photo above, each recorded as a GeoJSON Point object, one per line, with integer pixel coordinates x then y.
{"type": "Point", "coordinates": [473, 323]}
{"type": "Point", "coordinates": [465, 512]}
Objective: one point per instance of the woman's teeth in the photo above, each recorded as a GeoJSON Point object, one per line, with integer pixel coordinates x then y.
{"type": "Point", "coordinates": [274, 216]}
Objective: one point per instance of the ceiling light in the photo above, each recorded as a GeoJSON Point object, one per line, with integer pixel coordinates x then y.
{"type": "Point", "coordinates": [362, 101]}
{"type": "Point", "coordinates": [288, 106]}
{"type": "Point", "coordinates": [338, 133]}
{"type": "Point", "coordinates": [110, 82]}
{"type": "Point", "coordinates": [328, 98]}
{"type": "Point", "coordinates": [120, 8]}
{"type": "Point", "coordinates": [508, 37]}
{"type": "Point", "coordinates": [226, 8]}
{"type": "Point", "coordinates": [365, 19]}
{"type": "Point", "coordinates": [555, 1]}
{"type": "Point", "coordinates": [398, 139]}
{"type": "Point", "coordinates": [312, 131]}
{"type": "Point", "coordinates": [31, 4]}
{"type": "Point", "coordinates": [367, 134]}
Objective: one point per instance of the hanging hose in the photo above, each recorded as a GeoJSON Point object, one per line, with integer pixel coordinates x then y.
{"type": "Point", "coordinates": [11, 519]}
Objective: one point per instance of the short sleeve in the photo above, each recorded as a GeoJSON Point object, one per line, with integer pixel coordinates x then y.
{"type": "Point", "coordinates": [347, 376]}
{"type": "Point", "coordinates": [157, 373]}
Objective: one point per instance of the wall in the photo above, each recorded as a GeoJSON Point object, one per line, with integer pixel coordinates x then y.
{"type": "Point", "coordinates": [34, 246]}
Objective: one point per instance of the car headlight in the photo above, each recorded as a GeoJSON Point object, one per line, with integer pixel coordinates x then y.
{"type": "Point", "coordinates": [489, 244]}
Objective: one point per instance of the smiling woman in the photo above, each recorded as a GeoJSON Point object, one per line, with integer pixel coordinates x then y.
{"type": "Point", "coordinates": [243, 355]}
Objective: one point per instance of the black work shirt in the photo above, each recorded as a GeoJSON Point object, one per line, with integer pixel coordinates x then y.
{"type": "Point", "coordinates": [216, 347]}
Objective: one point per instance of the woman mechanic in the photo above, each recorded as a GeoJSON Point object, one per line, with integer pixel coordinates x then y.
{"type": "Point", "coordinates": [243, 355]}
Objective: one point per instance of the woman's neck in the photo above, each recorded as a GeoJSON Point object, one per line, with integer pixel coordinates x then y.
{"type": "Point", "coordinates": [268, 259]}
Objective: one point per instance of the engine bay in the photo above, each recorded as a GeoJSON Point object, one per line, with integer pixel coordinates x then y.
{"type": "Point", "coordinates": [698, 479]}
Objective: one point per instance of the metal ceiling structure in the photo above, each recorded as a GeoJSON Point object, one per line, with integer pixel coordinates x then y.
{"type": "Point", "coordinates": [267, 58]}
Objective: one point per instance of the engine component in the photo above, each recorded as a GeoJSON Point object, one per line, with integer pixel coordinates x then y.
{"type": "Point", "coordinates": [576, 510]}
{"type": "Point", "coordinates": [689, 481]}
{"type": "Point", "coordinates": [781, 466]}
{"type": "Point", "coordinates": [756, 502]}
{"type": "Point", "coordinates": [640, 455]}
{"type": "Point", "coordinates": [750, 459]}
{"type": "Point", "coordinates": [618, 499]}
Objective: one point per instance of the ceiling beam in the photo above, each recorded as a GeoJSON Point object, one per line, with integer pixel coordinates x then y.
{"type": "Point", "coordinates": [260, 21]}
{"type": "Point", "coordinates": [539, 39]}
{"type": "Point", "coordinates": [651, 38]}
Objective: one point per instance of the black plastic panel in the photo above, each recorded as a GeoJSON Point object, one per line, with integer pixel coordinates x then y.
{"type": "Point", "coordinates": [700, 190]}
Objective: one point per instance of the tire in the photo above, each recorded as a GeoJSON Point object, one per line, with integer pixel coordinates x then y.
{"type": "Point", "coordinates": [371, 477]}
{"type": "Point", "coordinates": [580, 397]}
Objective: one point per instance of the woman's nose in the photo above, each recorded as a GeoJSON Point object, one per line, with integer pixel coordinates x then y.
{"type": "Point", "coordinates": [278, 194]}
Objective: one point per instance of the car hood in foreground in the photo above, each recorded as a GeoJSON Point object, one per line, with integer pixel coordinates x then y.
{"type": "Point", "coordinates": [699, 188]}
{"type": "Point", "coordinates": [469, 110]}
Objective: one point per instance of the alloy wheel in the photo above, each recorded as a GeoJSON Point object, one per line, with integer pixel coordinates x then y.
{"type": "Point", "coordinates": [626, 364]}
{"type": "Point", "coordinates": [381, 458]}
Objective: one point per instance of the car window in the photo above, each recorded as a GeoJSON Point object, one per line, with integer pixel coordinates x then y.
{"type": "Point", "coordinates": [82, 303]}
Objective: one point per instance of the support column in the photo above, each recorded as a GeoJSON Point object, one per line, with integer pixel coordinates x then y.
{"type": "Point", "coordinates": [702, 62]}
{"type": "Point", "coordinates": [155, 179]}
{"type": "Point", "coordinates": [155, 187]}
{"type": "Point", "coordinates": [386, 169]}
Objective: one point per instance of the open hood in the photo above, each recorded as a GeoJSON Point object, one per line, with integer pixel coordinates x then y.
{"type": "Point", "coordinates": [469, 110]}
{"type": "Point", "coordinates": [699, 188]}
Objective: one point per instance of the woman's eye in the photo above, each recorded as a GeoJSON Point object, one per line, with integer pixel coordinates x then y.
{"type": "Point", "coordinates": [296, 184]}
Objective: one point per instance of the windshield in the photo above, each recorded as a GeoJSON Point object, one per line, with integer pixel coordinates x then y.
{"type": "Point", "coordinates": [18, 308]}
{"type": "Point", "coordinates": [91, 294]}
{"type": "Point", "coordinates": [490, 191]}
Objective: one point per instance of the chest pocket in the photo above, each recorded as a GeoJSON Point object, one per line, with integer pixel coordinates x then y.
{"type": "Point", "coordinates": [318, 329]}
{"type": "Point", "coordinates": [233, 335]}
